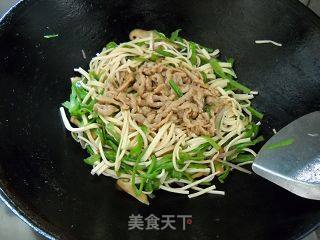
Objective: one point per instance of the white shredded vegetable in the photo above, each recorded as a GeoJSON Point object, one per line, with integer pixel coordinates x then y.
{"type": "Point", "coordinates": [268, 41]}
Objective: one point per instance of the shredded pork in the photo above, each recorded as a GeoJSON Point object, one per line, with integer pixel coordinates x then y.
{"type": "Point", "coordinates": [152, 101]}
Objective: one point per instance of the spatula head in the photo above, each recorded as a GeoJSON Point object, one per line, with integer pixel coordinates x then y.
{"type": "Point", "coordinates": [295, 167]}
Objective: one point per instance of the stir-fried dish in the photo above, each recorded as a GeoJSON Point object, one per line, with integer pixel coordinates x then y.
{"type": "Point", "coordinates": [164, 113]}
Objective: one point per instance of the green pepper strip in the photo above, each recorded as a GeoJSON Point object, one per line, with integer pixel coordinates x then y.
{"type": "Point", "coordinates": [164, 53]}
{"type": "Point", "coordinates": [241, 158]}
{"type": "Point", "coordinates": [154, 57]}
{"type": "Point", "coordinates": [89, 150]}
{"type": "Point", "coordinates": [110, 155]}
{"type": "Point", "coordinates": [175, 88]}
{"type": "Point", "coordinates": [251, 131]}
{"type": "Point", "coordinates": [51, 36]}
{"type": "Point", "coordinates": [150, 169]}
{"type": "Point", "coordinates": [212, 142]}
{"type": "Point", "coordinates": [218, 70]}
{"type": "Point", "coordinates": [107, 139]}
{"type": "Point", "coordinates": [231, 60]}
{"type": "Point", "coordinates": [175, 36]}
{"type": "Point", "coordinates": [224, 175]}
{"type": "Point", "coordinates": [239, 86]}
{"type": "Point", "coordinates": [202, 148]}
{"type": "Point", "coordinates": [204, 76]}
{"type": "Point", "coordinates": [135, 168]}
{"type": "Point", "coordinates": [139, 153]}
{"type": "Point", "coordinates": [75, 107]}
{"type": "Point", "coordinates": [136, 150]}
{"type": "Point", "coordinates": [110, 129]}
{"type": "Point", "coordinates": [113, 146]}
{"type": "Point", "coordinates": [94, 76]}
{"type": "Point", "coordinates": [166, 163]}
{"type": "Point", "coordinates": [193, 57]}
{"type": "Point", "coordinates": [248, 144]}
{"type": "Point", "coordinates": [139, 59]}
{"type": "Point", "coordinates": [162, 37]}
{"type": "Point", "coordinates": [111, 45]}
{"type": "Point", "coordinates": [282, 143]}
{"type": "Point", "coordinates": [92, 159]}
{"type": "Point", "coordinates": [255, 113]}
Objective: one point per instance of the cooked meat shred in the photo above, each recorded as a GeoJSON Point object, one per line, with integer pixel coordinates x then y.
{"type": "Point", "coordinates": [146, 93]}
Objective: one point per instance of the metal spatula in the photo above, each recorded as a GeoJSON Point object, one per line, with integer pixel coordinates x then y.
{"type": "Point", "coordinates": [291, 158]}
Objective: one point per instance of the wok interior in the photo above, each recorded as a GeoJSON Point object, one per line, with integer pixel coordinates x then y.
{"type": "Point", "coordinates": [41, 168]}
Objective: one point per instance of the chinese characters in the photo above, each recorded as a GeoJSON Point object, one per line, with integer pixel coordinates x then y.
{"type": "Point", "coordinates": [164, 222]}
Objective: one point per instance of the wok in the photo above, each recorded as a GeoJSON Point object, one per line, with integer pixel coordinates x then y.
{"type": "Point", "coordinates": [42, 175]}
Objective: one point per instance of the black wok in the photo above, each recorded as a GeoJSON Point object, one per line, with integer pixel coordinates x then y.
{"type": "Point", "coordinates": [42, 175]}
